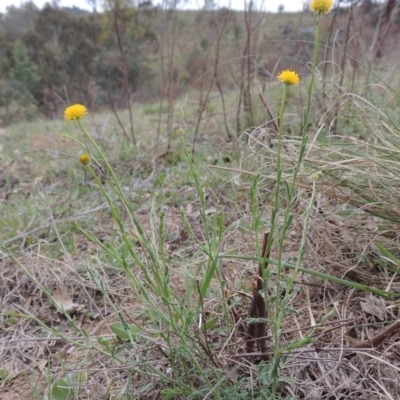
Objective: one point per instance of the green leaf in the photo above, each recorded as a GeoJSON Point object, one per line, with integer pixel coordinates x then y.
{"type": "Point", "coordinates": [4, 374]}
{"type": "Point", "coordinates": [387, 253]}
{"type": "Point", "coordinates": [288, 191]}
{"type": "Point", "coordinates": [208, 276]}
{"type": "Point", "coordinates": [119, 330]}
{"type": "Point", "coordinates": [170, 393]}
{"type": "Point", "coordinates": [10, 321]}
{"type": "Point", "coordinates": [68, 387]}
{"type": "Point", "coordinates": [209, 324]}
{"type": "Point", "coordinates": [299, 343]}
{"type": "Point", "coordinates": [61, 390]}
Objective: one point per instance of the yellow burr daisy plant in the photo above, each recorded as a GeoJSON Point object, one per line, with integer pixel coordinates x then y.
{"type": "Point", "coordinates": [289, 78]}
{"type": "Point", "coordinates": [77, 111]}
{"type": "Point", "coordinates": [84, 159]}
{"type": "Point", "coordinates": [321, 7]}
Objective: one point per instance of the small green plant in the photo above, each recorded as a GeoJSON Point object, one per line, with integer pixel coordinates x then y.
{"type": "Point", "coordinates": [182, 329]}
{"type": "Point", "coordinates": [165, 315]}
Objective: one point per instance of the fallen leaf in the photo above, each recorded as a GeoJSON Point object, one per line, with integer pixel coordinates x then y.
{"type": "Point", "coordinates": [64, 302]}
{"type": "Point", "coordinates": [42, 364]}
{"type": "Point", "coordinates": [374, 306]}
{"type": "Point", "coordinates": [189, 209]}
{"type": "Point", "coordinates": [210, 210]}
{"type": "Point", "coordinates": [207, 211]}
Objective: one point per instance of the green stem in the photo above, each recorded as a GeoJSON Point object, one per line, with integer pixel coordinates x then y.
{"type": "Point", "coordinates": [310, 87]}
{"type": "Point", "coordinates": [301, 251]}
{"type": "Point", "coordinates": [277, 322]}
{"type": "Point", "coordinates": [287, 217]}
{"type": "Point", "coordinates": [277, 199]}
{"type": "Point", "coordinates": [278, 170]}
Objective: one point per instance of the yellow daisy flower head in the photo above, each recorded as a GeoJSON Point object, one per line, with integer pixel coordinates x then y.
{"type": "Point", "coordinates": [321, 7]}
{"type": "Point", "coordinates": [77, 111]}
{"type": "Point", "coordinates": [84, 159]}
{"type": "Point", "coordinates": [290, 78]}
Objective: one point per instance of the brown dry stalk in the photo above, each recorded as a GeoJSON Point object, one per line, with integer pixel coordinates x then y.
{"type": "Point", "coordinates": [378, 339]}
{"type": "Point", "coordinates": [265, 104]}
{"type": "Point", "coordinates": [256, 331]}
{"type": "Point", "coordinates": [257, 310]}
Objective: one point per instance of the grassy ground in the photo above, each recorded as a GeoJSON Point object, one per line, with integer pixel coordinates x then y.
{"type": "Point", "coordinates": [136, 277]}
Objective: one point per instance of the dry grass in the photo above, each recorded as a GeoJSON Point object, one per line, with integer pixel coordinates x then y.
{"type": "Point", "coordinates": [339, 244]}
{"type": "Point", "coordinates": [356, 208]}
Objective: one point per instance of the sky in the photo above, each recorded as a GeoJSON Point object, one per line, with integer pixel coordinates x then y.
{"type": "Point", "coordinates": [268, 5]}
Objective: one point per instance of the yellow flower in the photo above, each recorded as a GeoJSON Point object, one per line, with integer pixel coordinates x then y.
{"type": "Point", "coordinates": [77, 111]}
{"type": "Point", "coordinates": [321, 6]}
{"type": "Point", "coordinates": [84, 159]}
{"type": "Point", "coordinates": [290, 78]}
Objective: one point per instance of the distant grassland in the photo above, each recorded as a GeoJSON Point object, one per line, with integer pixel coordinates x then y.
{"type": "Point", "coordinates": [166, 53]}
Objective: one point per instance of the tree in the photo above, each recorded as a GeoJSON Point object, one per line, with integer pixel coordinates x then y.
{"type": "Point", "coordinates": [18, 78]}
{"type": "Point", "coordinates": [122, 59]}
{"type": "Point", "coordinates": [18, 20]}
{"type": "Point", "coordinates": [62, 46]}
{"type": "Point", "coordinates": [23, 71]}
